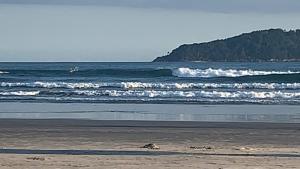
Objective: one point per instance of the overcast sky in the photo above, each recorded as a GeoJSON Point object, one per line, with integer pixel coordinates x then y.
{"type": "Point", "coordinates": [129, 30]}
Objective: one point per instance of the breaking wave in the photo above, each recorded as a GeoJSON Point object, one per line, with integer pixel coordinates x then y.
{"type": "Point", "coordinates": [3, 72]}
{"type": "Point", "coordinates": [197, 94]}
{"type": "Point", "coordinates": [181, 72]}
{"type": "Point", "coordinates": [162, 93]}
{"type": "Point", "coordinates": [206, 73]}
{"type": "Point", "coordinates": [151, 85]}
{"type": "Point", "coordinates": [20, 93]}
{"type": "Point", "coordinates": [128, 85]}
{"type": "Point", "coordinates": [212, 83]}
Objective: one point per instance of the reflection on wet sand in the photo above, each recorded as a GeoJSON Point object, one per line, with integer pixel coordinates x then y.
{"type": "Point", "coordinates": [153, 112]}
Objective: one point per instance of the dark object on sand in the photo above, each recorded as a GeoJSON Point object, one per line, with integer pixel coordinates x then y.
{"type": "Point", "coordinates": [151, 146]}
{"type": "Point", "coordinates": [36, 158]}
{"type": "Point", "coordinates": [202, 147]}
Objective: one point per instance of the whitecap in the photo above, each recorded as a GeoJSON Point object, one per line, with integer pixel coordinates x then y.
{"type": "Point", "coordinates": [188, 94]}
{"type": "Point", "coordinates": [152, 85]}
{"type": "Point", "coordinates": [74, 69]}
{"type": "Point", "coordinates": [210, 72]}
{"type": "Point", "coordinates": [20, 93]}
{"type": "Point", "coordinates": [3, 72]}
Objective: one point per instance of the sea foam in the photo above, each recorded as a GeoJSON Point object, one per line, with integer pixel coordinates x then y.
{"type": "Point", "coordinates": [210, 72]}
{"type": "Point", "coordinates": [20, 93]}
{"type": "Point", "coordinates": [151, 85]}
{"type": "Point", "coordinates": [3, 72]}
{"type": "Point", "coordinates": [198, 94]}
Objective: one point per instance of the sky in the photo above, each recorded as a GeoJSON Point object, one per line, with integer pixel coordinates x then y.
{"type": "Point", "coordinates": [129, 30]}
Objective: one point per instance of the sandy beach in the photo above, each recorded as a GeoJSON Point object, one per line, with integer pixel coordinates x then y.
{"type": "Point", "coordinates": [149, 84]}
{"type": "Point", "coordinates": [66, 143]}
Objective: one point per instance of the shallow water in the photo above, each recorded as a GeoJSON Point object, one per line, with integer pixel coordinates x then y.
{"type": "Point", "coordinates": [153, 112]}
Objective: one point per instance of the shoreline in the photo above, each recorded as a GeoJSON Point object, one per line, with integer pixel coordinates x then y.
{"type": "Point", "coordinates": [152, 112]}
{"type": "Point", "coordinates": [13, 122]}
{"type": "Point", "coordinates": [138, 153]}
{"type": "Point", "coordinates": [109, 136]}
{"type": "Point", "coordinates": [73, 143]}
{"type": "Point", "coordinates": [118, 131]}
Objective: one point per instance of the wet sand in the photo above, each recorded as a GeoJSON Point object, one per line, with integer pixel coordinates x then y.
{"type": "Point", "coordinates": [67, 143]}
{"type": "Point", "coordinates": [152, 112]}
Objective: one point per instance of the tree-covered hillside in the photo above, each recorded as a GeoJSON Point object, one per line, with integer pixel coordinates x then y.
{"type": "Point", "coordinates": [265, 45]}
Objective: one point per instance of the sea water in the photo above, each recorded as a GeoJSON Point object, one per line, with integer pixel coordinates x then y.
{"type": "Point", "coordinates": [203, 83]}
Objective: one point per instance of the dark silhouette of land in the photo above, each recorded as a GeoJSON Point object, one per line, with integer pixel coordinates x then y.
{"type": "Point", "coordinates": [259, 46]}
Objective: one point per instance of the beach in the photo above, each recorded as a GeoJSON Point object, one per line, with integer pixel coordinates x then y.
{"type": "Point", "coordinates": [157, 84]}
{"type": "Point", "coordinates": [69, 143]}
{"type": "Point", "coordinates": [210, 115]}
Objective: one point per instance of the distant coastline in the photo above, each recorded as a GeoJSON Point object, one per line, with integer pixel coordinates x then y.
{"type": "Point", "coordinates": [273, 45]}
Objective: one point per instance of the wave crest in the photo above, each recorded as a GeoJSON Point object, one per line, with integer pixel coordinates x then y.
{"type": "Point", "coordinates": [20, 93]}
{"type": "Point", "coordinates": [3, 72]}
{"type": "Point", "coordinates": [210, 72]}
{"type": "Point", "coordinates": [191, 94]}
{"type": "Point", "coordinates": [163, 94]}
{"type": "Point", "coordinates": [151, 85]}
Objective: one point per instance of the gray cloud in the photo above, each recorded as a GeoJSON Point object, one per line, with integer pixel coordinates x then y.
{"type": "Point", "coordinates": [224, 6]}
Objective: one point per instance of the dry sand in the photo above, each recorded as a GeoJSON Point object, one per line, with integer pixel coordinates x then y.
{"type": "Point", "coordinates": [215, 145]}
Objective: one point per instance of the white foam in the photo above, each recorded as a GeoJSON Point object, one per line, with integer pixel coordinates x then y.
{"type": "Point", "coordinates": [55, 85]}
{"type": "Point", "coordinates": [251, 94]}
{"type": "Point", "coordinates": [187, 94]}
{"type": "Point", "coordinates": [74, 69]}
{"type": "Point", "coordinates": [129, 85]}
{"type": "Point", "coordinates": [206, 73]}
{"type": "Point", "coordinates": [67, 85]}
{"type": "Point", "coordinates": [2, 72]}
{"type": "Point", "coordinates": [133, 85]}
{"type": "Point", "coordinates": [20, 93]}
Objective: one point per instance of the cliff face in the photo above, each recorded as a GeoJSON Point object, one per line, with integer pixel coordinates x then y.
{"type": "Point", "coordinates": [266, 45]}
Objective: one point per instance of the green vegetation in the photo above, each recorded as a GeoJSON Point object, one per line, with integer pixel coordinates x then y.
{"type": "Point", "coordinates": [258, 46]}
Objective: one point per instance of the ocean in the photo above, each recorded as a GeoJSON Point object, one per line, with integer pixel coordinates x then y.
{"type": "Point", "coordinates": [203, 83]}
